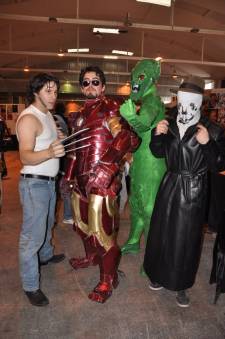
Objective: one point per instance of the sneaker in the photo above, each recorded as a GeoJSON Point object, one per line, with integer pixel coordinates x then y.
{"type": "Point", "coordinates": [182, 299]}
{"type": "Point", "coordinates": [68, 221]}
{"type": "Point", "coordinates": [55, 259]}
{"type": "Point", "coordinates": [37, 298]}
{"type": "Point", "coordinates": [155, 286]}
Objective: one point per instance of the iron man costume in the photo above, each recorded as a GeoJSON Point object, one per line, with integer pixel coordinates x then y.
{"type": "Point", "coordinates": [96, 173]}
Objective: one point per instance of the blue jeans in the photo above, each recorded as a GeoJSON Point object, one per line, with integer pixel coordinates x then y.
{"type": "Point", "coordinates": [38, 199]}
{"type": "Point", "coordinates": [67, 208]}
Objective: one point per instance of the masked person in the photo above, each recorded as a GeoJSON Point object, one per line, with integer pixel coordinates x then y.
{"type": "Point", "coordinates": [96, 170]}
{"type": "Point", "coordinates": [143, 110]}
{"type": "Point", "coordinates": [191, 145]}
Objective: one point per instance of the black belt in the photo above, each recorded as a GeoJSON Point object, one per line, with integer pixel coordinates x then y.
{"type": "Point", "coordinates": [187, 173]}
{"type": "Point", "coordinates": [37, 176]}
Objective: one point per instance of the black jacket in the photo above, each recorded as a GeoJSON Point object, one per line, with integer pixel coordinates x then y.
{"type": "Point", "coordinates": [176, 231]}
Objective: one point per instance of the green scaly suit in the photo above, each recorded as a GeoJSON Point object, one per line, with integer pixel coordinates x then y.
{"type": "Point", "coordinates": [146, 171]}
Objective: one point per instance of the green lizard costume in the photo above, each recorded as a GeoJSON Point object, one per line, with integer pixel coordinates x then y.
{"type": "Point", "coordinates": [146, 170]}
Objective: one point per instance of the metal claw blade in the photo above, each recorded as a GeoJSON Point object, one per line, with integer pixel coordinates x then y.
{"type": "Point", "coordinates": [74, 134]}
{"type": "Point", "coordinates": [76, 141]}
{"type": "Point", "coordinates": [74, 149]}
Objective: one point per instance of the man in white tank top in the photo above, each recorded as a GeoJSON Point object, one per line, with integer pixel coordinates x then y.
{"type": "Point", "coordinates": [40, 149]}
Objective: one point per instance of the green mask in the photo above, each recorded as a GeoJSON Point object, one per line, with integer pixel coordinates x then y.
{"type": "Point", "coordinates": [143, 77]}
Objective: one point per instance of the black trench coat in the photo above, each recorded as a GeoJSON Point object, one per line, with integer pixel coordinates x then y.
{"type": "Point", "coordinates": [176, 231]}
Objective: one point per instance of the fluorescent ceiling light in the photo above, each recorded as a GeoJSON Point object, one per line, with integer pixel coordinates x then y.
{"type": "Point", "coordinates": [110, 57]}
{"type": "Point", "coordinates": [106, 30]}
{"type": "Point", "coordinates": [158, 2]}
{"type": "Point", "coordinates": [60, 53]}
{"type": "Point", "coordinates": [174, 75]}
{"type": "Point", "coordinates": [78, 50]}
{"type": "Point", "coordinates": [115, 51]}
{"type": "Point", "coordinates": [26, 69]}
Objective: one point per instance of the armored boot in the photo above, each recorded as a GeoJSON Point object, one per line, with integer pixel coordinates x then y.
{"type": "Point", "coordinates": [108, 276]}
{"type": "Point", "coordinates": [92, 258]}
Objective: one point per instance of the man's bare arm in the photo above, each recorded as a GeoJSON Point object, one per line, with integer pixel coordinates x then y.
{"type": "Point", "coordinates": [28, 129]}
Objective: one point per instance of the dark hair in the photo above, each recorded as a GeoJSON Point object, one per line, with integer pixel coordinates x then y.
{"type": "Point", "coordinates": [95, 69]}
{"type": "Point", "coordinates": [37, 83]}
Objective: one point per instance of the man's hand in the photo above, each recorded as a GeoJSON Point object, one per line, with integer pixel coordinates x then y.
{"type": "Point", "coordinates": [162, 127]}
{"type": "Point", "coordinates": [202, 135]}
{"type": "Point", "coordinates": [56, 149]}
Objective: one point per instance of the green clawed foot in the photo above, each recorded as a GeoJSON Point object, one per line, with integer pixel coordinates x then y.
{"type": "Point", "coordinates": [130, 248]}
{"type": "Point", "coordinates": [142, 272]}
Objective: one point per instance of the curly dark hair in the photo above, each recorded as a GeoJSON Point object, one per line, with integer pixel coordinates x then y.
{"type": "Point", "coordinates": [95, 69]}
{"type": "Point", "coordinates": [37, 83]}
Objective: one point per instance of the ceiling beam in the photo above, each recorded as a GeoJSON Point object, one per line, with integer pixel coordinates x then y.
{"type": "Point", "coordinates": [56, 70]}
{"type": "Point", "coordinates": [64, 71]}
{"type": "Point", "coordinates": [100, 56]}
{"type": "Point", "coordinates": [91, 22]}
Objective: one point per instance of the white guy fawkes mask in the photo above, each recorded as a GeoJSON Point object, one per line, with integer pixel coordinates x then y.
{"type": "Point", "coordinates": [188, 106]}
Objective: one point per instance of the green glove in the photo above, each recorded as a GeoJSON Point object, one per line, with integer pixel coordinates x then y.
{"type": "Point", "coordinates": [128, 109]}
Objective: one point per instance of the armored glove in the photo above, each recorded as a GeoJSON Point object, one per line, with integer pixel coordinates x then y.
{"type": "Point", "coordinates": [66, 187]}
{"type": "Point", "coordinates": [102, 175]}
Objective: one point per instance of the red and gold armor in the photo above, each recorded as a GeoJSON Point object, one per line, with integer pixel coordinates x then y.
{"type": "Point", "coordinates": [96, 171]}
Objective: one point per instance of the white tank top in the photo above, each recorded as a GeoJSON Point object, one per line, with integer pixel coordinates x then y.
{"type": "Point", "coordinates": [49, 134]}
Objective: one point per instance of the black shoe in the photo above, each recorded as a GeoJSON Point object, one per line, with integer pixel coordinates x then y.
{"type": "Point", "coordinates": [182, 299]}
{"type": "Point", "coordinates": [155, 286]}
{"type": "Point", "coordinates": [54, 259]}
{"type": "Point", "coordinates": [37, 298]}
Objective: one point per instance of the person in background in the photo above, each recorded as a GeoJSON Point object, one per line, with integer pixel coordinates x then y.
{"type": "Point", "coordinates": [40, 149]}
{"type": "Point", "coordinates": [213, 115]}
{"type": "Point", "coordinates": [4, 131]}
{"type": "Point", "coordinates": [62, 123]}
{"type": "Point", "coordinates": [216, 223]}
{"type": "Point", "coordinates": [217, 190]}
{"type": "Point", "coordinates": [60, 118]}
{"type": "Point", "coordinates": [95, 166]}
{"type": "Point", "coordinates": [213, 100]}
{"type": "Point", "coordinates": [216, 226]}
{"type": "Point", "coordinates": [3, 168]}
{"type": "Point", "coordinates": [191, 145]}
{"type": "Point", "coordinates": [205, 106]}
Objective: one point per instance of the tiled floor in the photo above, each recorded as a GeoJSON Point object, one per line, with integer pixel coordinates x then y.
{"type": "Point", "coordinates": [133, 311]}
